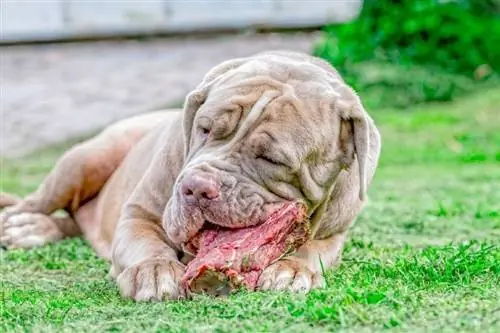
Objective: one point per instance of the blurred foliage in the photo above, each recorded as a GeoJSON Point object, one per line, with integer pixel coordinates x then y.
{"type": "Point", "coordinates": [482, 7]}
{"type": "Point", "coordinates": [437, 49]}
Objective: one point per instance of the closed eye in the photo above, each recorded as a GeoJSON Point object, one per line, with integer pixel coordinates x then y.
{"type": "Point", "coordinates": [268, 159]}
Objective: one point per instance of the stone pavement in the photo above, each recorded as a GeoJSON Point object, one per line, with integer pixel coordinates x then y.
{"type": "Point", "coordinates": [51, 93]}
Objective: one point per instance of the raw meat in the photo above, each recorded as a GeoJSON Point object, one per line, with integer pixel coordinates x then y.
{"type": "Point", "coordinates": [229, 259]}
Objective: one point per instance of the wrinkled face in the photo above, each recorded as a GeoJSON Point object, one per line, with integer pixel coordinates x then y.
{"type": "Point", "coordinates": [252, 148]}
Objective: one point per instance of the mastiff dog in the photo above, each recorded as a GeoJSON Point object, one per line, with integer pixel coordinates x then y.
{"type": "Point", "coordinates": [257, 133]}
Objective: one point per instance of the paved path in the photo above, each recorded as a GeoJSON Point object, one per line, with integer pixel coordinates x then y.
{"type": "Point", "coordinates": [51, 93]}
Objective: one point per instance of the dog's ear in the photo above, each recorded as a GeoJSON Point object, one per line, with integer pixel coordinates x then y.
{"type": "Point", "coordinates": [197, 97]}
{"type": "Point", "coordinates": [352, 111]}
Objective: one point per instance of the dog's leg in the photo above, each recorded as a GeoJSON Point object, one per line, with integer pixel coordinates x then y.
{"type": "Point", "coordinates": [7, 200]}
{"type": "Point", "coordinates": [146, 268]}
{"type": "Point", "coordinates": [303, 270]}
{"type": "Point", "coordinates": [77, 177]}
{"type": "Point", "coordinates": [27, 230]}
{"type": "Point", "coordinates": [145, 262]}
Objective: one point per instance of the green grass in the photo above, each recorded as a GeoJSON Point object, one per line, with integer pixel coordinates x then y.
{"type": "Point", "coordinates": [423, 256]}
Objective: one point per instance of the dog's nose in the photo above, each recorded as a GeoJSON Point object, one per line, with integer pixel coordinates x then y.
{"type": "Point", "coordinates": [200, 187]}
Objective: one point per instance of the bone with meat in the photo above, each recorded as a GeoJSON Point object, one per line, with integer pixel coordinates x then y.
{"type": "Point", "coordinates": [230, 259]}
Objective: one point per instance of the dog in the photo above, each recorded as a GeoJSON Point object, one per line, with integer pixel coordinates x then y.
{"type": "Point", "coordinates": [257, 132]}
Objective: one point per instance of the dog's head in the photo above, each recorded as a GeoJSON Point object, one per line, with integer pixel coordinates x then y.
{"type": "Point", "coordinates": [260, 131]}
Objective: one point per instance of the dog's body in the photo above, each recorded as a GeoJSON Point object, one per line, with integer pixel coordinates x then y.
{"type": "Point", "coordinates": [258, 131]}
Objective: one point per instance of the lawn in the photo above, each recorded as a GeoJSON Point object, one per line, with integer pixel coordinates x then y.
{"type": "Point", "coordinates": [423, 256]}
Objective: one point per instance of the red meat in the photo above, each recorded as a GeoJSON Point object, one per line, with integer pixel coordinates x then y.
{"type": "Point", "coordinates": [229, 259]}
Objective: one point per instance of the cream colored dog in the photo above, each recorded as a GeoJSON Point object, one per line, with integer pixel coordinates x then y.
{"type": "Point", "coordinates": [257, 132]}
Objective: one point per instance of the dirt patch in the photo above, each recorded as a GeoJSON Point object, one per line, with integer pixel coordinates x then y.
{"type": "Point", "coordinates": [51, 93]}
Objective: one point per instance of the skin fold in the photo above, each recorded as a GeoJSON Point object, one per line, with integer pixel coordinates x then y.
{"type": "Point", "coordinates": [257, 132]}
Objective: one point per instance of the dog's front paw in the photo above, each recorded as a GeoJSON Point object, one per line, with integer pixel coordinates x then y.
{"type": "Point", "coordinates": [152, 280]}
{"type": "Point", "coordinates": [291, 275]}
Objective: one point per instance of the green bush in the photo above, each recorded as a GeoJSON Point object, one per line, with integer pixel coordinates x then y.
{"type": "Point", "coordinates": [482, 7]}
{"type": "Point", "coordinates": [440, 48]}
{"type": "Point", "coordinates": [383, 84]}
